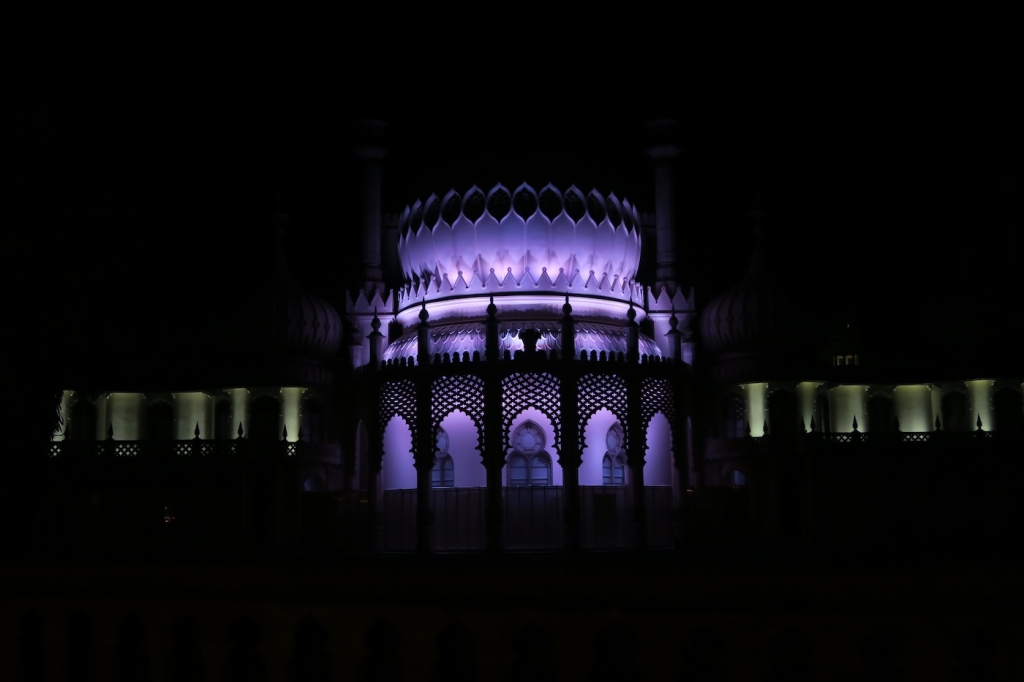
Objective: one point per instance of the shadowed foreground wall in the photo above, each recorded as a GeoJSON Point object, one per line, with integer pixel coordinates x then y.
{"type": "Point", "coordinates": [655, 617]}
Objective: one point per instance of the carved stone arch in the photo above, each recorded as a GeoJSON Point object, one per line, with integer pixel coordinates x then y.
{"type": "Point", "coordinates": [464, 393]}
{"type": "Point", "coordinates": [597, 391]}
{"type": "Point", "coordinates": [656, 396]}
{"type": "Point", "coordinates": [397, 398]}
{"type": "Point", "coordinates": [539, 391]}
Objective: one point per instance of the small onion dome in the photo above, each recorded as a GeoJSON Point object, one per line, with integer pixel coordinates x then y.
{"type": "Point", "coordinates": [742, 320]}
{"type": "Point", "coordinates": [276, 318]}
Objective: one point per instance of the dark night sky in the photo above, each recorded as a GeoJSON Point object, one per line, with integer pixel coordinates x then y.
{"type": "Point", "coordinates": [878, 159]}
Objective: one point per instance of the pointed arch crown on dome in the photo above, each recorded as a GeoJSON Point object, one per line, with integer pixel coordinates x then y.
{"type": "Point", "coordinates": [550, 239]}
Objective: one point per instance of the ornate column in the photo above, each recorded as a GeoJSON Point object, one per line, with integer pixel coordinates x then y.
{"type": "Point", "coordinates": [756, 396]}
{"type": "Point", "coordinates": [805, 392]}
{"type": "Point", "coordinates": [494, 451]}
{"type": "Point", "coordinates": [913, 407]}
{"type": "Point", "coordinates": [570, 456]}
{"type": "Point", "coordinates": [982, 416]}
{"type": "Point", "coordinates": [635, 443]}
{"type": "Point", "coordinates": [423, 447]}
{"type": "Point", "coordinates": [124, 415]}
{"type": "Point", "coordinates": [847, 403]}
{"type": "Point", "coordinates": [193, 410]}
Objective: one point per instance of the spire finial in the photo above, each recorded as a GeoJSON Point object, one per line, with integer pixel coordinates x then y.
{"type": "Point", "coordinates": [424, 315]}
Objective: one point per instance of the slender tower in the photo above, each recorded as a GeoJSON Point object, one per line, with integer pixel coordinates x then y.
{"type": "Point", "coordinates": [370, 149]}
{"type": "Point", "coordinates": [663, 151]}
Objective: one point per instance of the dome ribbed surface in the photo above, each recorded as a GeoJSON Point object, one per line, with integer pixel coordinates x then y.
{"type": "Point", "coordinates": [519, 232]}
{"type": "Point", "coordinates": [743, 319]}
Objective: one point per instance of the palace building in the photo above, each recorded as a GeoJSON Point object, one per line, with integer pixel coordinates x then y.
{"type": "Point", "coordinates": [528, 386]}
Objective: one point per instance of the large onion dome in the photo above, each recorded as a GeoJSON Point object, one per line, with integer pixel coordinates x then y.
{"type": "Point", "coordinates": [501, 241]}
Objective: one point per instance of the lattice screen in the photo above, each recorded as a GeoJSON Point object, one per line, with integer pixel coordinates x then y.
{"type": "Point", "coordinates": [602, 390]}
{"type": "Point", "coordinates": [539, 391]}
{"type": "Point", "coordinates": [657, 396]}
{"type": "Point", "coordinates": [464, 393]}
{"type": "Point", "coordinates": [398, 397]}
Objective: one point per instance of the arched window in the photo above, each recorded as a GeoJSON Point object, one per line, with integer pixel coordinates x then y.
{"type": "Point", "coordinates": [443, 473]}
{"type": "Point", "coordinates": [518, 470]}
{"type": "Point", "coordinates": [733, 417]}
{"type": "Point", "coordinates": [529, 464]}
{"type": "Point", "coordinates": [736, 477]}
{"type": "Point", "coordinates": [540, 469]}
{"type": "Point", "coordinates": [614, 463]}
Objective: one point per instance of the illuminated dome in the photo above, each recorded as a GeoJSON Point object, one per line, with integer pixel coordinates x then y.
{"type": "Point", "coordinates": [518, 241]}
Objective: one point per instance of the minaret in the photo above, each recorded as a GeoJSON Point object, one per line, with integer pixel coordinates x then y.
{"type": "Point", "coordinates": [370, 149]}
{"type": "Point", "coordinates": [665, 300]}
{"type": "Point", "coordinates": [663, 151]}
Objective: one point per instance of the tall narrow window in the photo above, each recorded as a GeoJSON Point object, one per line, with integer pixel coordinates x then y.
{"type": "Point", "coordinates": [443, 473]}
{"type": "Point", "coordinates": [614, 463]}
{"type": "Point", "coordinates": [540, 469]}
{"type": "Point", "coordinates": [518, 471]}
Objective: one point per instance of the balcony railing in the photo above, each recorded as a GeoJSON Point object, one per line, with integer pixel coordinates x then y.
{"type": "Point", "coordinates": [179, 449]}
